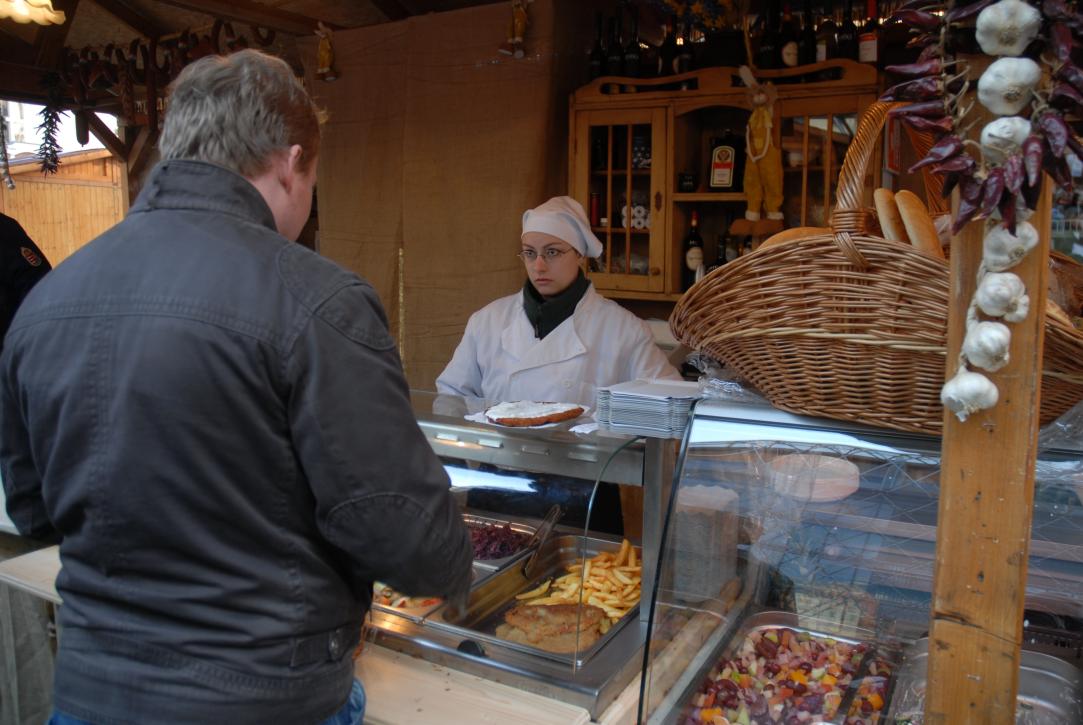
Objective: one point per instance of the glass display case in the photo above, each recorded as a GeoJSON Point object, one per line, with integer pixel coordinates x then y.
{"type": "Point", "coordinates": [506, 480]}
{"type": "Point", "coordinates": [796, 569]}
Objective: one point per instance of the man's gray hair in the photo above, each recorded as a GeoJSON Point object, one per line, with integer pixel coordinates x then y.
{"type": "Point", "coordinates": [238, 111]}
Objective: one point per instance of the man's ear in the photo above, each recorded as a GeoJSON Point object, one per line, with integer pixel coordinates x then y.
{"type": "Point", "coordinates": [293, 166]}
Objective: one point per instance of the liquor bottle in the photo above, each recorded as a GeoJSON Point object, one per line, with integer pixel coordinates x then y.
{"type": "Point", "coordinates": [806, 43]}
{"type": "Point", "coordinates": [788, 37]}
{"type": "Point", "coordinates": [733, 248]}
{"type": "Point", "coordinates": [685, 59]}
{"type": "Point", "coordinates": [846, 36]}
{"type": "Point", "coordinates": [869, 37]}
{"type": "Point", "coordinates": [894, 36]}
{"type": "Point", "coordinates": [826, 46]}
{"type": "Point", "coordinates": [768, 55]}
{"type": "Point", "coordinates": [614, 60]}
{"type": "Point", "coordinates": [596, 61]}
{"type": "Point", "coordinates": [667, 52]}
{"type": "Point", "coordinates": [632, 55]}
{"type": "Point", "coordinates": [727, 162]}
{"type": "Point", "coordinates": [693, 254]}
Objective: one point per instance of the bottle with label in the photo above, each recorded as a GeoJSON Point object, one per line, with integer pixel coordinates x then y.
{"type": "Point", "coordinates": [769, 52]}
{"type": "Point", "coordinates": [869, 37]}
{"type": "Point", "coordinates": [614, 59]}
{"type": "Point", "coordinates": [846, 36]}
{"type": "Point", "coordinates": [685, 59]}
{"type": "Point", "coordinates": [826, 47]}
{"type": "Point", "coordinates": [733, 248]}
{"type": "Point", "coordinates": [788, 39]}
{"type": "Point", "coordinates": [693, 254]}
{"type": "Point", "coordinates": [727, 162]}
{"type": "Point", "coordinates": [806, 42]}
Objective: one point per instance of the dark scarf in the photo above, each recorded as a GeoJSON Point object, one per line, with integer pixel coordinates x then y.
{"type": "Point", "coordinates": [545, 315]}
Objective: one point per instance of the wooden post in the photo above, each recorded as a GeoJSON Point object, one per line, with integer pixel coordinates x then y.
{"type": "Point", "coordinates": [986, 504]}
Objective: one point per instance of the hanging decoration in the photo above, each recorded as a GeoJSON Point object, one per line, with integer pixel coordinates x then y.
{"type": "Point", "coordinates": [31, 11]}
{"type": "Point", "coordinates": [707, 15]}
{"type": "Point", "coordinates": [513, 46]}
{"type": "Point", "coordinates": [325, 54]}
{"type": "Point", "coordinates": [49, 151]}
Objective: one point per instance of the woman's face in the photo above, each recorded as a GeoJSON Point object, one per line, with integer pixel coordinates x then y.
{"type": "Point", "coordinates": [551, 263]}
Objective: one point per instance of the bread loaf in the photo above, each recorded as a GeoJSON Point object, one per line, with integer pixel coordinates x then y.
{"type": "Point", "coordinates": [919, 225]}
{"type": "Point", "coordinates": [788, 235]}
{"type": "Point", "coordinates": [890, 222]}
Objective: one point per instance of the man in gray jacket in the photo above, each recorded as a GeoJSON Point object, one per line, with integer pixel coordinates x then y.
{"type": "Point", "coordinates": [214, 424]}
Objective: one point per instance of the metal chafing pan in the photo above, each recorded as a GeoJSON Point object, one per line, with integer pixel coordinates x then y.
{"type": "Point", "coordinates": [418, 614]}
{"type": "Point", "coordinates": [492, 598]}
{"type": "Point", "coordinates": [473, 519]}
{"type": "Point", "coordinates": [1050, 689]}
{"type": "Point", "coordinates": [820, 630]}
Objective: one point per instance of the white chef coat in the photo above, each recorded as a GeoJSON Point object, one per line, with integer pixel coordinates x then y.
{"type": "Point", "coordinates": [500, 359]}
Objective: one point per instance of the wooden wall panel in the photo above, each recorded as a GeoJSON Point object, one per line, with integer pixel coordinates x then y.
{"type": "Point", "coordinates": [64, 211]}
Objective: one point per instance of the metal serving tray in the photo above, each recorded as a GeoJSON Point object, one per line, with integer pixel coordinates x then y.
{"type": "Point", "coordinates": [1050, 689]}
{"type": "Point", "coordinates": [418, 614]}
{"type": "Point", "coordinates": [491, 599]}
{"type": "Point", "coordinates": [473, 519]}
{"type": "Point", "coordinates": [773, 620]}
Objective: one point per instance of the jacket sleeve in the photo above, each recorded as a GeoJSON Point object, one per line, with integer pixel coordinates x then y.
{"type": "Point", "coordinates": [644, 358]}
{"type": "Point", "coordinates": [22, 484]}
{"type": "Point", "coordinates": [382, 495]}
{"type": "Point", "coordinates": [462, 376]}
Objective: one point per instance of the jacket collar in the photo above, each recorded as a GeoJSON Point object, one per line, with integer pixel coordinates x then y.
{"type": "Point", "coordinates": [561, 344]}
{"type": "Point", "coordinates": [200, 186]}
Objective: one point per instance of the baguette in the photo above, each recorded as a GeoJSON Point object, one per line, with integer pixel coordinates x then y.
{"type": "Point", "coordinates": [919, 225]}
{"type": "Point", "coordinates": [788, 235]}
{"type": "Point", "coordinates": [891, 222]}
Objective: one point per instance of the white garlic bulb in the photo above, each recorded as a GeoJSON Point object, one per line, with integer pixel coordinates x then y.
{"type": "Point", "coordinates": [1002, 294]}
{"type": "Point", "coordinates": [1006, 86]}
{"type": "Point", "coordinates": [967, 393]}
{"type": "Point", "coordinates": [1007, 27]}
{"type": "Point", "coordinates": [1004, 136]}
{"type": "Point", "coordinates": [1002, 250]}
{"type": "Point", "coordinates": [986, 345]}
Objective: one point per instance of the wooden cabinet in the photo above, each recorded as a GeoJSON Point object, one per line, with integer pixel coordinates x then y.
{"type": "Point", "coordinates": [629, 151]}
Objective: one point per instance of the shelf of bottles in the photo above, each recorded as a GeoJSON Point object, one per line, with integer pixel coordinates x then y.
{"type": "Point", "coordinates": [620, 191]}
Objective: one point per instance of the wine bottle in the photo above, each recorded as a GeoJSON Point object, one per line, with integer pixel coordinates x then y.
{"type": "Point", "coordinates": [667, 52]}
{"type": "Point", "coordinates": [727, 165]}
{"type": "Point", "coordinates": [693, 254]}
{"type": "Point", "coordinates": [614, 61]}
{"type": "Point", "coordinates": [806, 44]}
{"type": "Point", "coordinates": [685, 59]}
{"type": "Point", "coordinates": [869, 37]}
{"type": "Point", "coordinates": [788, 38]}
{"type": "Point", "coordinates": [826, 45]}
{"type": "Point", "coordinates": [768, 55]}
{"type": "Point", "coordinates": [632, 55]}
{"type": "Point", "coordinates": [596, 61]}
{"type": "Point", "coordinates": [847, 34]}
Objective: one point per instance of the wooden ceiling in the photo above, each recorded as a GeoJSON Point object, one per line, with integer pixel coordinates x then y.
{"type": "Point", "coordinates": [27, 52]}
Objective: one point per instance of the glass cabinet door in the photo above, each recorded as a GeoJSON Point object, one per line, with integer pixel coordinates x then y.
{"type": "Point", "coordinates": [813, 147]}
{"type": "Point", "coordinates": [619, 161]}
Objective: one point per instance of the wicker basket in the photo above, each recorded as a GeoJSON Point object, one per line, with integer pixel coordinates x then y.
{"type": "Point", "coordinates": [848, 325]}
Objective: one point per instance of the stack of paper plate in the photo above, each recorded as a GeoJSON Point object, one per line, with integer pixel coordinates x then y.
{"type": "Point", "coordinates": [649, 407]}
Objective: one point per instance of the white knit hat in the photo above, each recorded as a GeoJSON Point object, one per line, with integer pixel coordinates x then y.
{"type": "Point", "coordinates": [564, 218]}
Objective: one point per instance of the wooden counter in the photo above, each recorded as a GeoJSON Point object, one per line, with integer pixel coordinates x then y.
{"type": "Point", "coordinates": [400, 689]}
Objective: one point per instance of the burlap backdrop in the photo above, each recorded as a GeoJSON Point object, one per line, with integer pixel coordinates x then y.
{"type": "Point", "coordinates": [435, 145]}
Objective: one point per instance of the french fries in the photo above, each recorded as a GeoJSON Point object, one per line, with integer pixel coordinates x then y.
{"type": "Point", "coordinates": [610, 581]}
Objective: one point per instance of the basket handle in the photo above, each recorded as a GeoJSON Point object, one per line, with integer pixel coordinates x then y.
{"type": "Point", "coordinates": [848, 218]}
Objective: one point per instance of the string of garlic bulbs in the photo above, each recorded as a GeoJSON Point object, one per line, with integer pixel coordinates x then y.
{"type": "Point", "coordinates": [1005, 88]}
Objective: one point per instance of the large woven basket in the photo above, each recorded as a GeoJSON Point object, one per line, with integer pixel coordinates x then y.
{"type": "Point", "coordinates": [847, 325]}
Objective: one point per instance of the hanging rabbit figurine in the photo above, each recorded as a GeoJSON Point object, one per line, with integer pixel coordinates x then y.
{"type": "Point", "coordinates": [763, 162]}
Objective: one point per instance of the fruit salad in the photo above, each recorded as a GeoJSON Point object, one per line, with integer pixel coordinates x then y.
{"type": "Point", "coordinates": [868, 703]}
{"type": "Point", "coordinates": [778, 676]}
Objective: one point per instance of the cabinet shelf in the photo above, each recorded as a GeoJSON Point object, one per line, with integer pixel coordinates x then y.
{"type": "Point", "coordinates": [620, 230]}
{"type": "Point", "coordinates": [716, 196]}
{"type": "Point", "coordinates": [621, 172]}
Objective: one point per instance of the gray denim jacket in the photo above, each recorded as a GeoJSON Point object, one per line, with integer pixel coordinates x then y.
{"type": "Point", "coordinates": [214, 423]}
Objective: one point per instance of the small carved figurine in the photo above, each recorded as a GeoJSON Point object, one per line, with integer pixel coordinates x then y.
{"type": "Point", "coordinates": [325, 54]}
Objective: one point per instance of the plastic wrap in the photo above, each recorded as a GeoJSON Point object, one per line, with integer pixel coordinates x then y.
{"type": "Point", "coordinates": [1060, 482]}
{"type": "Point", "coordinates": [718, 381]}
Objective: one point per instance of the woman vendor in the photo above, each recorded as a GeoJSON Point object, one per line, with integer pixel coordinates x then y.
{"type": "Point", "coordinates": [556, 340]}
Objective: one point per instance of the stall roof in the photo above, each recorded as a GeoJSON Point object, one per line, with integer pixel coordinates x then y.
{"type": "Point", "coordinates": [28, 52]}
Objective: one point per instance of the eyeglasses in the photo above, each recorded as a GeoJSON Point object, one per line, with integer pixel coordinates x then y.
{"type": "Point", "coordinates": [549, 254]}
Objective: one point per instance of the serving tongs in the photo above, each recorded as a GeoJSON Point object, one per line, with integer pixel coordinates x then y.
{"type": "Point", "coordinates": [537, 541]}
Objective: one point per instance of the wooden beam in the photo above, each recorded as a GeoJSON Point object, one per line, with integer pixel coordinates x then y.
{"type": "Point", "coordinates": [253, 13]}
{"type": "Point", "coordinates": [986, 505]}
{"type": "Point", "coordinates": [101, 132]}
{"type": "Point", "coordinates": [131, 17]}
{"type": "Point", "coordinates": [141, 151]}
{"type": "Point", "coordinates": [49, 46]}
{"type": "Point", "coordinates": [392, 9]}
